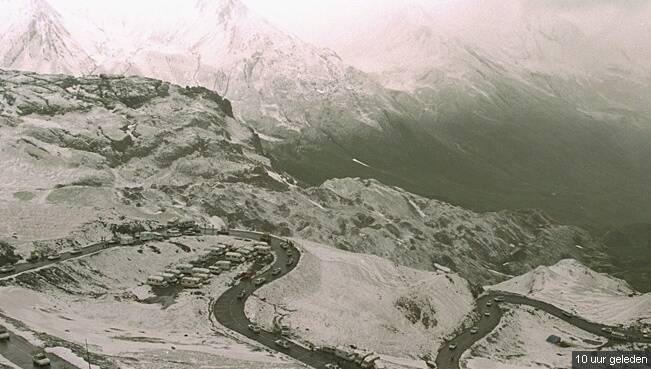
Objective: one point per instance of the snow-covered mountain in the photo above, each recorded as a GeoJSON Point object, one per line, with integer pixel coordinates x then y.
{"type": "Point", "coordinates": [33, 37]}
{"type": "Point", "coordinates": [279, 82]}
{"type": "Point", "coordinates": [518, 115]}
{"type": "Point", "coordinates": [114, 152]}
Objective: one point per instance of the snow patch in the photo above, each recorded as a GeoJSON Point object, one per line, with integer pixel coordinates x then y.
{"type": "Point", "coordinates": [361, 163]}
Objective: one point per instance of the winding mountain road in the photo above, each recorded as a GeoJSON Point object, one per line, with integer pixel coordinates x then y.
{"type": "Point", "coordinates": [17, 349]}
{"type": "Point", "coordinates": [229, 310]}
{"type": "Point", "coordinates": [449, 358]}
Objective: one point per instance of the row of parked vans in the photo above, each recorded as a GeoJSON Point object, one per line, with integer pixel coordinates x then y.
{"type": "Point", "coordinates": [190, 276]}
{"type": "Point", "coordinates": [365, 359]}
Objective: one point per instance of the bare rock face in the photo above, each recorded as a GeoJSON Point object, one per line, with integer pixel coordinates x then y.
{"type": "Point", "coordinates": [110, 151]}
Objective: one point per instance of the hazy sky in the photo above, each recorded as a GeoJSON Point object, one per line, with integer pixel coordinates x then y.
{"type": "Point", "coordinates": [324, 20]}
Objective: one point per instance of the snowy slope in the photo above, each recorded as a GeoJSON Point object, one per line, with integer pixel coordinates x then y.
{"type": "Point", "coordinates": [279, 82]}
{"type": "Point", "coordinates": [103, 299]}
{"type": "Point", "coordinates": [571, 285]}
{"type": "Point", "coordinates": [34, 38]}
{"type": "Point", "coordinates": [518, 342]}
{"type": "Point", "coordinates": [340, 298]}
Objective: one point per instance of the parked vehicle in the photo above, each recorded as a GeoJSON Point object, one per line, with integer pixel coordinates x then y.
{"type": "Point", "coordinates": [8, 268]}
{"type": "Point", "coordinates": [276, 271]}
{"type": "Point", "coordinates": [223, 232]}
{"type": "Point", "coordinates": [606, 329]}
{"type": "Point", "coordinates": [473, 330]}
{"type": "Point", "coordinates": [332, 366]}
{"type": "Point", "coordinates": [215, 269]}
{"type": "Point", "coordinates": [266, 237]}
{"type": "Point", "coordinates": [170, 278]}
{"type": "Point", "coordinates": [191, 282]}
{"type": "Point", "coordinates": [33, 256]}
{"type": "Point", "coordinates": [498, 299]}
{"type": "Point", "coordinates": [284, 330]}
{"type": "Point", "coordinates": [234, 257]}
{"type": "Point", "coordinates": [185, 268]}
{"type": "Point", "coordinates": [245, 276]}
{"type": "Point", "coordinates": [177, 273]}
{"type": "Point", "coordinates": [204, 277]}
{"type": "Point", "coordinates": [430, 364]}
{"type": "Point", "coordinates": [156, 281]}
{"type": "Point", "coordinates": [489, 304]}
{"type": "Point", "coordinates": [4, 334]}
{"type": "Point", "coordinates": [290, 261]}
{"type": "Point", "coordinates": [282, 343]}
{"type": "Point", "coordinates": [259, 281]}
{"type": "Point", "coordinates": [344, 353]}
{"type": "Point", "coordinates": [368, 361]}
{"type": "Point", "coordinates": [200, 271]}
{"type": "Point", "coordinates": [127, 240]}
{"type": "Point", "coordinates": [262, 249]}
{"type": "Point", "coordinates": [173, 232]}
{"type": "Point", "coordinates": [618, 335]}
{"type": "Point", "coordinates": [40, 359]}
{"type": "Point", "coordinates": [487, 314]}
{"type": "Point", "coordinates": [218, 250]}
{"type": "Point", "coordinates": [567, 314]}
{"type": "Point", "coordinates": [254, 328]}
{"type": "Point", "coordinates": [146, 236]}
{"type": "Point", "coordinates": [241, 294]}
{"type": "Point", "coordinates": [223, 265]}
{"type": "Point", "coordinates": [54, 256]}
{"type": "Point", "coordinates": [76, 250]}
{"type": "Point", "coordinates": [328, 349]}
{"type": "Point", "coordinates": [452, 346]}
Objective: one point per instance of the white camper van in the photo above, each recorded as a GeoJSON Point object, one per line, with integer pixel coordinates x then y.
{"type": "Point", "coordinates": [191, 282]}
{"type": "Point", "coordinates": [223, 265]}
{"type": "Point", "coordinates": [156, 280]}
{"type": "Point", "coordinates": [196, 271]}
{"type": "Point", "coordinates": [234, 257]}
{"type": "Point", "coordinates": [185, 268]}
{"type": "Point", "coordinates": [169, 278]}
{"type": "Point", "coordinates": [262, 250]}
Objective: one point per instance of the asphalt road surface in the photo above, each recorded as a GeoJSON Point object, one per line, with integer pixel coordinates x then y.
{"type": "Point", "coordinates": [19, 351]}
{"type": "Point", "coordinates": [84, 251]}
{"type": "Point", "coordinates": [229, 309]}
{"type": "Point", "coordinates": [490, 317]}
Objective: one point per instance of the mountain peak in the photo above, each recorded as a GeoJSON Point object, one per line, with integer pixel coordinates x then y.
{"type": "Point", "coordinates": [223, 9]}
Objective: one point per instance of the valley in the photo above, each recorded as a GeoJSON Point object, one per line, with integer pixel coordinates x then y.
{"type": "Point", "coordinates": [392, 185]}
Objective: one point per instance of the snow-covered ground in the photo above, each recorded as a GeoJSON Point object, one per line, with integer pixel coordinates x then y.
{"type": "Point", "coordinates": [336, 298]}
{"type": "Point", "coordinates": [102, 299]}
{"type": "Point", "coordinates": [595, 296]}
{"type": "Point", "coordinates": [519, 342]}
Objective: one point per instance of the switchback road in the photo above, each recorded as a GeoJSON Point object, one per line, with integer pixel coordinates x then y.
{"type": "Point", "coordinates": [489, 318]}
{"type": "Point", "coordinates": [229, 309]}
